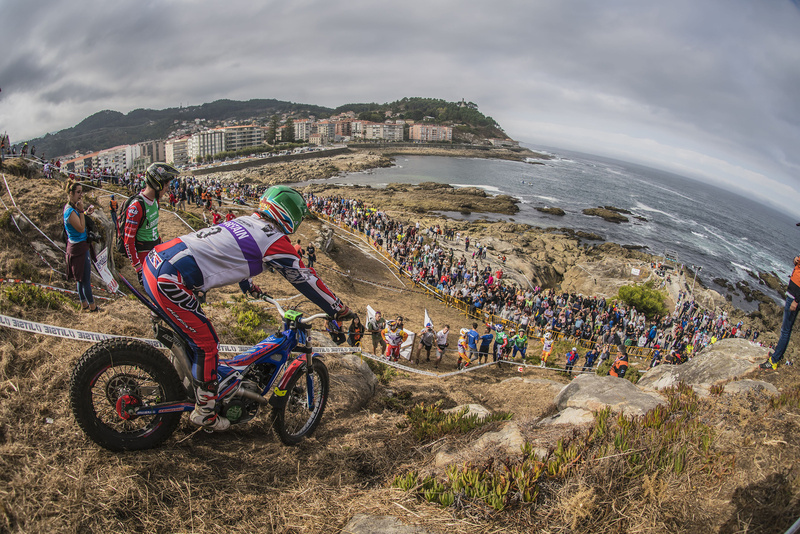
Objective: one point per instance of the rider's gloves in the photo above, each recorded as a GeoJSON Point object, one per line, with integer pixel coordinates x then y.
{"type": "Point", "coordinates": [249, 288]}
{"type": "Point", "coordinates": [345, 314]}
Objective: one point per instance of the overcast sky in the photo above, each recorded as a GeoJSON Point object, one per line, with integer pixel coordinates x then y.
{"type": "Point", "coordinates": [708, 89]}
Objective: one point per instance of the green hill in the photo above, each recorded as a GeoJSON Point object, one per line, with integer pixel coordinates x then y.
{"type": "Point", "coordinates": [107, 128]}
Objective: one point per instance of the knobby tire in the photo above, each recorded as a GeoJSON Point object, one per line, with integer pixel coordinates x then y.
{"type": "Point", "coordinates": [292, 420]}
{"type": "Point", "coordinates": [116, 367]}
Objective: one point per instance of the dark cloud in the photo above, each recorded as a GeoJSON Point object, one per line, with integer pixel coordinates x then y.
{"type": "Point", "coordinates": [715, 81]}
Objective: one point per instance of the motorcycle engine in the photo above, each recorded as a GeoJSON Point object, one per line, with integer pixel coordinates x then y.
{"type": "Point", "coordinates": [240, 409]}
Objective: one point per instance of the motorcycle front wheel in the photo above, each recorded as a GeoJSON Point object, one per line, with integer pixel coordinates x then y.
{"type": "Point", "coordinates": [293, 419]}
{"type": "Point", "coordinates": [116, 374]}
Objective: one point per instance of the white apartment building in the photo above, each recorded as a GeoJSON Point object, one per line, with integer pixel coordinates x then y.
{"type": "Point", "coordinates": [378, 130]}
{"type": "Point", "coordinates": [238, 137]}
{"type": "Point", "coordinates": [114, 158]}
{"type": "Point", "coordinates": [303, 128]}
{"type": "Point", "coordinates": [177, 150]}
{"type": "Point", "coordinates": [208, 142]}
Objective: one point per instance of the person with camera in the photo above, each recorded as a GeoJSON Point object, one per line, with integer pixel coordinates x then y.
{"type": "Point", "coordinates": [79, 263]}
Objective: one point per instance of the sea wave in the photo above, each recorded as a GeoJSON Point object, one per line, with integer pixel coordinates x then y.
{"type": "Point", "coordinates": [489, 188]}
{"type": "Point", "coordinates": [645, 207]}
{"type": "Point", "coordinates": [740, 266]}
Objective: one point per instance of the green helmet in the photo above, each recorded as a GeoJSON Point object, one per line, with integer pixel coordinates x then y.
{"type": "Point", "coordinates": [283, 205]}
{"type": "Point", "coordinates": [158, 175]}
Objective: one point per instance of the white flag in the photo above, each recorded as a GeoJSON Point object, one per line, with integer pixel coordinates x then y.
{"type": "Point", "coordinates": [427, 320]}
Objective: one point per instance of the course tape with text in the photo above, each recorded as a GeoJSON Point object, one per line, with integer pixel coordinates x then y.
{"type": "Point", "coordinates": [83, 335]}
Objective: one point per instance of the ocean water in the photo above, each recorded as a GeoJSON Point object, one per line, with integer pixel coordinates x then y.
{"type": "Point", "coordinates": [723, 233]}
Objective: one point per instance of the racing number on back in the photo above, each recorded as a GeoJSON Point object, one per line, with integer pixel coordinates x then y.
{"type": "Point", "coordinates": [208, 232]}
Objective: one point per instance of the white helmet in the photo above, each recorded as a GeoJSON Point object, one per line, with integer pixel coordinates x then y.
{"type": "Point", "coordinates": [548, 335]}
{"type": "Point", "coordinates": [464, 331]}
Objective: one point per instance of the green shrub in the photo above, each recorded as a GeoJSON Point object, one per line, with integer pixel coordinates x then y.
{"type": "Point", "coordinates": [384, 372]}
{"type": "Point", "coordinates": [431, 422]}
{"type": "Point", "coordinates": [30, 296]}
{"type": "Point", "coordinates": [645, 298]}
{"type": "Point", "coordinates": [26, 271]}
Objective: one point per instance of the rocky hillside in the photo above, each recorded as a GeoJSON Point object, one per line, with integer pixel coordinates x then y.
{"type": "Point", "coordinates": [715, 452]}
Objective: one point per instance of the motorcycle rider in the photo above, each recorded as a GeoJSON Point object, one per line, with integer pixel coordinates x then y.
{"type": "Point", "coordinates": [140, 232]}
{"type": "Point", "coordinates": [233, 251]}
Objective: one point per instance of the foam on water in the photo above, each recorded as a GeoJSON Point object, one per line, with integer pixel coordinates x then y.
{"type": "Point", "coordinates": [489, 188]}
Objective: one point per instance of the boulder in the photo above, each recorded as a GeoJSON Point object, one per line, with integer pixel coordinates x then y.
{"type": "Point", "coordinates": [379, 524]}
{"type": "Point", "coordinates": [508, 440]}
{"type": "Point", "coordinates": [569, 416]}
{"type": "Point", "coordinates": [747, 385]}
{"type": "Point", "coordinates": [355, 363]}
{"type": "Point", "coordinates": [472, 409]}
{"type": "Point", "coordinates": [593, 393]}
{"type": "Point", "coordinates": [723, 361]}
{"type": "Point", "coordinates": [352, 390]}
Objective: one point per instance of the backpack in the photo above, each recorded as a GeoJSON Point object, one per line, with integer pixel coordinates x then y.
{"type": "Point", "coordinates": [120, 245]}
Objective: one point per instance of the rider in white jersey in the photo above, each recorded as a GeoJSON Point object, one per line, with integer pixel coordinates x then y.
{"type": "Point", "coordinates": [233, 251]}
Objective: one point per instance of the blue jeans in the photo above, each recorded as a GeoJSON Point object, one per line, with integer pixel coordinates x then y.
{"type": "Point", "coordinates": [786, 330]}
{"type": "Point", "coordinates": [85, 287]}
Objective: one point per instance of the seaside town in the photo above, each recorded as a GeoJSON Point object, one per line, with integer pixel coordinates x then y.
{"type": "Point", "coordinates": [197, 143]}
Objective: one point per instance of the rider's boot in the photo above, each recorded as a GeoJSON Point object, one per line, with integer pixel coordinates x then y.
{"type": "Point", "coordinates": [204, 413]}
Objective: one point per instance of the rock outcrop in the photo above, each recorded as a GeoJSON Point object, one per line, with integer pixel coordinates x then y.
{"type": "Point", "coordinates": [593, 393]}
{"type": "Point", "coordinates": [747, 386]}
{"type": "Point", "coordinates": [379, 524]}
{"type": "Point", "coordinates": [726, 360]}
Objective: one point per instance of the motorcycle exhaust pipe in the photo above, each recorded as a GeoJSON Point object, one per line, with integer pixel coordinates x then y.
{"type": "Point", "coordinates": [251, 395]}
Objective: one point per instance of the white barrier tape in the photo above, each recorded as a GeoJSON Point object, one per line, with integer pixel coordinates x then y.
{"type": "Point", "coordinates": [83, 335]}
{"type": "Point", "coordinates": [337, 350]}
{"type": "Point", "coordinates": [44, 286]}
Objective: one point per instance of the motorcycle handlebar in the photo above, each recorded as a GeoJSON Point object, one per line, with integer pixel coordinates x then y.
{"type": "Point", "coordinates": [304, 320]}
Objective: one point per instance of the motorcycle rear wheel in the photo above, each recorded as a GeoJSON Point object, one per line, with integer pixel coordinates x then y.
{"type": "Point", "coordinates": [117, 370]}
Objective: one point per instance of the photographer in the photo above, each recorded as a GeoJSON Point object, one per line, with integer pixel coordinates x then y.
{"type": "Point", "coordinates": [79, 264]}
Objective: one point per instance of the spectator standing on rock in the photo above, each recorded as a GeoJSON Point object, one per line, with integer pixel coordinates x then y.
{"type": "Point", "coordinates": [113, 206]}
{"type": "Point", "coordinates": [591, 356]}
{"type": "Point", "coordinates": [620, 365]}
{"type": "Point", "coordinates": [355, 332]}
{"type": "Point", "coordinates": [572, 358]}
{"type": "Point", "coordinates": [79, 264]}
{"type": "Point", "coordinates": [789, 316]}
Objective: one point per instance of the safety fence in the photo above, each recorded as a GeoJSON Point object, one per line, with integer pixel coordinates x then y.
{"type": "Point", "coordinates": [463, 307]}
